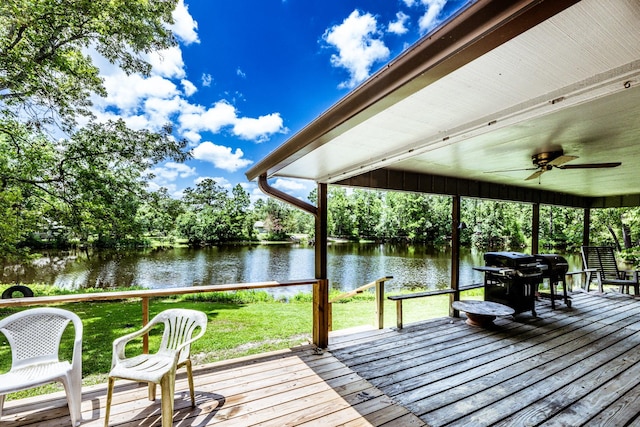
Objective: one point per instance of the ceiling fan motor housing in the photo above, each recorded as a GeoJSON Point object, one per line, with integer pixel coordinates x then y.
{"type": "Point", "coordinates": [541, 159]}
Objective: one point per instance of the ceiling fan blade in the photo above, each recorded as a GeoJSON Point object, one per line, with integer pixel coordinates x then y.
{"type": "Point", "coordinates": [512, 170]}
{"type": "Point", "coordinates": [560, 160]}
{"type": "Point", "coordinates": [590, 165]}
{"type": "Point", "coordinates": [536, 174]}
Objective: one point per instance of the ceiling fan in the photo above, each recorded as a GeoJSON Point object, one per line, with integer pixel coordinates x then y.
{"type": "Point", "coordinates": [548, 160]}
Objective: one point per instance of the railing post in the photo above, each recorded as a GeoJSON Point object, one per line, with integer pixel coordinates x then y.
{"type": "Point", "coordinates": [320, 313]}
{"type": "Point", "coordinates": [145, 320]}
{"type": "Point", "coordinates": [380, 301]}
{"type": "Point", "coordinates": [399, 314]}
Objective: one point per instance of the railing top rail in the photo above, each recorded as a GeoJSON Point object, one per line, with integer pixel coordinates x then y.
{"type": "Point", "coordinates": [149, 293]}
{"type": "Point", "coordinates": [360, 289]}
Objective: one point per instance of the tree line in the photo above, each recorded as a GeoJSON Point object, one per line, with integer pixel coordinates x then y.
{"type": "Point", "coordinates": [208, 214]}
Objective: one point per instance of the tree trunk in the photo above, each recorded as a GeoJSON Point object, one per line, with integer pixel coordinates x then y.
{"type": "Point", "coordinates": [615, 238]}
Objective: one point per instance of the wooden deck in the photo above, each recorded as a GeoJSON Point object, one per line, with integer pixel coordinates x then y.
{"type": "Point", "coordinates": [567, 367]}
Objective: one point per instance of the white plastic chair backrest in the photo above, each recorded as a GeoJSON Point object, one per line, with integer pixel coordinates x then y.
{"type": "Point", "coordinates": [179, 327]}
{"type": "Point", "coordinates": [34, 335]}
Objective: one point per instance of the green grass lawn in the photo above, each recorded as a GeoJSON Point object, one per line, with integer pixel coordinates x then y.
{"type": "Point", "coordinates": [240, 323]}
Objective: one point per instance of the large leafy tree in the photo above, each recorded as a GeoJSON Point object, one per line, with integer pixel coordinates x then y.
{"type": "Point", "coordinates": [45, 70]}
{"type": "Point", "coordinates": [238, 211]}
{"type": "Point", "coordinates": [92, 182]}
{"type": "Point", "coordinates": [367, 207]}
{"type": "Point", "coordinates": [278, 218]}
{"type": "Point", "coordinates": [158, 214]}
{"type": "Point", "coordinates": [340, 217]}
{"type": "Point", "coordinates": [211, 216]}
{"type": "Point", "coordinates": [89, 179]}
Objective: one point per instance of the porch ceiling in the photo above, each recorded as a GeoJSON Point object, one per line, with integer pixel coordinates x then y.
{"type": "Point", "coordinates": [479, 97]}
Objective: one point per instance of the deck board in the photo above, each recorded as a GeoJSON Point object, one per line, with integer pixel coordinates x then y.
{"type": "Point", "coordinates": [576, 366]}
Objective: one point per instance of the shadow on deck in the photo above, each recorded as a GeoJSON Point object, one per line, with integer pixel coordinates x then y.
{"type": "Point", "coordinates": [573, 367]}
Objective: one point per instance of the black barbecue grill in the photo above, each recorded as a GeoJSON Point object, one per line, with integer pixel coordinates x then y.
{"type": "Point", "coordinates": [512, 279]}
{"type": "Point", "coordinates": [554, 268]}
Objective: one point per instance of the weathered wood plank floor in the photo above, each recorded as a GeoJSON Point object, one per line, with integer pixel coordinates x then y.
{"type": "Point", "coordinates": [567, 367]}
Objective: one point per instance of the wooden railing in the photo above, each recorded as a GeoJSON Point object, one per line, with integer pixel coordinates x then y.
{"type": "Point", "coordinates": [379, 285]}
{"type": "Point", "coordinates": [399, 298]}
{"type": "Point", "coordinates": [146, 295]}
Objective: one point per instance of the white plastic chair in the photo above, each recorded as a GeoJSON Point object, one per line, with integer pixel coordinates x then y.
{"type": "Point", "coordinates": [34, 336]}
{"type": "Point", "coordinates": [180, 325]}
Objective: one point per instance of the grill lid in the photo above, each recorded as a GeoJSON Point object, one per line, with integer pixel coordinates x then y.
{"type": "Point", "coordinates": [516, 260]}
{"type": "Point", "coordinates": [552, 263]}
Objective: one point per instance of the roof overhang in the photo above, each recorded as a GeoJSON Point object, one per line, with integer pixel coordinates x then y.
{"type": "Point", "coordinates": [471, 103]}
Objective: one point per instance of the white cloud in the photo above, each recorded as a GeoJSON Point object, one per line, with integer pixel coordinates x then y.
{"type": "Point", "coordinates": [399, 25]}
{"type": "Point", "coordinates": [409, 3]}
{"type": "Point", "coordinates": [154, 101]}
{"type": "Point", "coordinates": [223, 114]}
{"type": "Point", "coordinates": [184, 26]}
{"type": "Point", "coordinates": [241, 73]}
{"type": "Point", "coordinates": [206, 80]}
{"type": "Point", "coordinates": [258, 129]}
{"type": "Point", "coordinates": [358, 49]}
{"type": "Point", "coordinates": [171, 189]}
{"type": "Point", "coordinates": [188, 87]}
{"type": "Point", "coordinates": [161, 110]}
{"type": "Point", "coordinates": [137, 122]}
{"type": "Point", "coordinates": [170, 171]}
{"type": "Point", "coordinates": [294, 186]}
{"type": "Point", "coordinates": [167, 63]}
{"type": "Point", "coordinates": [197, 118]}
{"type": "Point", "coordinates": [220, 156]}
{"type": "Point", "coordinates": [126, 92]}
{"type": "Point", "coordinates": [193, 137]}
{"type": "Point", "coordinates": [166, 174]}
{"type": "Point", "coordinates": [430, 20]}
{"type": "Point", "coordinates": [255, 193]}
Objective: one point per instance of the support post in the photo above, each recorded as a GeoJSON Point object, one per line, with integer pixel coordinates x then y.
{"type": "Point", "coordinates": [535, 229]}
{"type": "Point", "coordinates": [455, 254]}
{"type": "Point", "coordinates": [380, 303]}
{"type": "Point", "coordinates": [586, 225]}
{"type": "Point", "coordinates": [321, 289]}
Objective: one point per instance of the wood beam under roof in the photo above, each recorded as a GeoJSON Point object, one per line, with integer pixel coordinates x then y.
{"type": "Point", "coordinates": [397, 180]}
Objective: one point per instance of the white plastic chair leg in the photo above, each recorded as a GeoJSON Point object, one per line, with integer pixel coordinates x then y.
{"type": "Point", "coordinates": [191, 387]}
{"type": "Point", "coordinates": [109, 397]}
{"type": "Point", "coordinates": [167, 386]}
{"type": "Point", "coordinates": [74, 398]}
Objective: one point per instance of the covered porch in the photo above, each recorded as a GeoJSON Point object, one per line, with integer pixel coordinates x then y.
{"type": "Point", "coordinates": [526, 101]}
{"type": "Point", "coordinates": [574, 366]}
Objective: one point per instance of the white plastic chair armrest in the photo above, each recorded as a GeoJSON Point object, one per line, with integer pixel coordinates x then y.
{"type": "Point", "coordinates": [120, 343]}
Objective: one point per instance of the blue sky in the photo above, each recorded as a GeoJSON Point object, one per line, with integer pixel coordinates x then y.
{"type": "Point", "coordinates": [248, 74]}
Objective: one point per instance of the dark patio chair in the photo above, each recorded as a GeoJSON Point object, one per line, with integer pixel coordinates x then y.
{"type": "Point", "coordinates": [601, 260]}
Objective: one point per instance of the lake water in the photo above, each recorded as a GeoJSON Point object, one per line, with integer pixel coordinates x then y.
{"type": "Point", "coordinates": [350, 265]}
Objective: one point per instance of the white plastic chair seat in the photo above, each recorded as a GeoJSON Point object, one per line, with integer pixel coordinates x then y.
{"type": "Point", "coordinates": [34, 336]}
{"type": "Point", "coordinates": [145, 368]}
{"type": "Point", "coordinates": [31, 376]}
